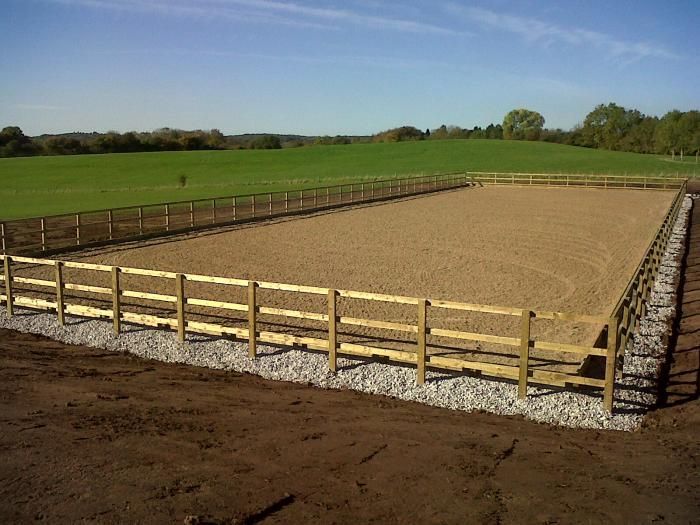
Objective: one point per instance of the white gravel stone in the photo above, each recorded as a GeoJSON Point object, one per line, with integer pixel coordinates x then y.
{"type": "Point", "coordinates": [635, 393]}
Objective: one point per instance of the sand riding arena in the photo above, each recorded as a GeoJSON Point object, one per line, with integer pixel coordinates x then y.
{"type": "Point", "coordinates": [527, 280]}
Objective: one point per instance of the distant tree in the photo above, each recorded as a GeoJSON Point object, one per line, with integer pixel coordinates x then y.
{"type": "Point", "coordinates": [494, 131]}
{"type": "Point", "coordinates": [640, 137]}
{"type": "Point", "coordinates": [14, 143]}
{"type": "Point", "coordinates": [607, 125]}
{"type": "Point", "coordinates": [667, 136]}
{"type": "Point", "coordinates": [522, 124]}
{"type": "Point", "coordinates": [439, 133]}
{"type": "Point", "coordinates": [266, 142]}
{"type": "Point", "coordinates": [215, 140]}
{"type": "Point", "coordinates": [401, 134]}
{"type": "Point", "coordinates": [64, 146]}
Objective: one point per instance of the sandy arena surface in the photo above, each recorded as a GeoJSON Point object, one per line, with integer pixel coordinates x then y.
{"type": "Point", "coordinates": [560, 249]}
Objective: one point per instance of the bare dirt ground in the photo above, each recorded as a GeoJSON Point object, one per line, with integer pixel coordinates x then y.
{"type": "Point", "coordinates": [108, 438]}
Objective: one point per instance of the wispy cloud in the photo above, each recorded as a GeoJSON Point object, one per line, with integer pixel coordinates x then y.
{"type": "Point", "coordinates": [183, 8]}
{"type": "Point", "coordinates": [535, 30]}
{"type": "Point", "coordinates": [269, 11]}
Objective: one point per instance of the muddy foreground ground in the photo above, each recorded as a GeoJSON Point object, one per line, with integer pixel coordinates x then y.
{"type": "Point", "coordinates": [100, 437]}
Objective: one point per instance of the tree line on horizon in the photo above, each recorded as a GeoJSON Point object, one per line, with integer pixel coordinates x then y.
{"type": "Point", "coordinates": [610, 127]}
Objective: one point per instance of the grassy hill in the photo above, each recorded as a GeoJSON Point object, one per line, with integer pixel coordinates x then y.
{"type": "Point", "coordinates": [48, 185]}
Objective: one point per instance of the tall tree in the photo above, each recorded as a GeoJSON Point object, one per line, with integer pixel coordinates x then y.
{"type": "Point", "coordinates": [523, 124]}
{"type": "Point", "coordinates": [607, 125]}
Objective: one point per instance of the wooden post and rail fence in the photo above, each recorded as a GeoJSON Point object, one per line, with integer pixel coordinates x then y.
{"type": "Point", "coordinates": [618, 327]}
{"type": "Point", "coordinates": [53, 298]}
{"type": "Point", "coordinates": [42, 235]}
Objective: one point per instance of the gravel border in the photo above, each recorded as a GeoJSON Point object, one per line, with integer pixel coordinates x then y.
{"type": "Point", "coordinates": [635, 394]}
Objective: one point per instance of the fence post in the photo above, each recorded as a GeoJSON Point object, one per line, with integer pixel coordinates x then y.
{"type": "Point", "coordinates": [422, 331]}
{"type": "Point", "coordinates": [286, 201]}
{"type": "Point", "coordinates": [8, 285]}
{"type": "Point", "coordinates": [332, 331]}
{"type": "Point", "coordinates": [362, 190]}
{"type": "Point", "coordinates": [252, 314]}
{"type": "Point", "coordinates": [372, 189]}
{"type": "Point", "coordinates": [252, 204]}
{"type": "Point", "coordinates": [60, 303]}
{"type": "Point", "coordinates": [43, 234]}
{"type": "Point", "coordinates": [116, 300]}
{"type": "Point", "coordinates": [2, 233]}
{"type": "Point", "coordinates": [315, 198]}
{"type": "Point", "coordinates": [167, 217]}
{"type": "Point", "coordinates": [213, 211]}
{"type": "Point", "coordinates": [269, 203]}
{"type": "Point", "coordinates": [328, 196]}
{"type": "Point", "coordinates": [191, 214]}
{"type": "Point", "coordinates": [610, 363]}
{"type": "Point", "coordinates": [110, 221]}
{"type": "Point", "coordinates": [524, 353]}
{"type": "Point", "coordinates": [301, 200]}
{"type": "Point", "coordinates": [234, 208]}
{"type": "Point", "coordinates": [77, 229]}
{"type": "Point", "coordinates": [140, 220]}
{"type": "Point", "coordinates": [180, 292]}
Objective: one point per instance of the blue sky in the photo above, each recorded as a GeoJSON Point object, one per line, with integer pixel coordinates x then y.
{"type": "Point", "coordinates": [338, 67]}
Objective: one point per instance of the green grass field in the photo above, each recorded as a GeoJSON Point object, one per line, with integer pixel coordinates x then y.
{"type": "Point", "coordinates": [51, 185]}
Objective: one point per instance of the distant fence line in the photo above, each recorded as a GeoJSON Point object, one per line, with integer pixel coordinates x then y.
{"type": "Point", "coordinates": [37, 235]}
{"type": "Point", "coordinates": [42, 235]}
{"type": "Point", "coordinates": [617, 327]}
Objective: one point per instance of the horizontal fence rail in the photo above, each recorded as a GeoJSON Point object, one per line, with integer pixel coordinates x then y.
{"type": "Point", "coordinates": [576, 180]}
{"type": "Point", "coordinates": [37, 235]}
{"type": "Point", "coordinates": [250, 328]}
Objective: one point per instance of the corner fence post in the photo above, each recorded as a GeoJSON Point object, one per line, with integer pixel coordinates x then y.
{"type": "Point", "coordinates": [116, 300]}
{"type": "Point", "coordinates": [60, 302]}
{"type": "Point", "coordinates": [332, 330]}
{"type": "Point", "coordinates": [180, 292]}
{"type": "Point", "coordinates": [422, 331]}
{"type": "Point", "coordinates": [8, 285]}
{"type": "Point", "coordinates": [610, 363]}
{"type": "Point", "coordinates": [252, 311]}
{"type": "Point", "coordinates": [524, 353]}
